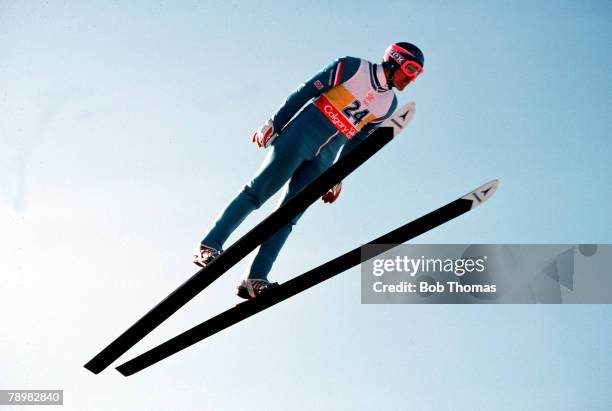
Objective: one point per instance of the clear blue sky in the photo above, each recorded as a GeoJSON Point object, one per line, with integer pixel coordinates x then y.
{"type": "Point", "coordinates": [125, 128]}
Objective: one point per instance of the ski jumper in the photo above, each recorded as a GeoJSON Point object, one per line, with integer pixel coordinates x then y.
{"type": "Point", "coordinates": [351, 98]}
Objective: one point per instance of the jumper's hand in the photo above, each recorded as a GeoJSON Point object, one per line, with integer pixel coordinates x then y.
{"type": "Point", "coordinates": [265, 135]}
{"type": "Point", "coordinates": [332, 194]}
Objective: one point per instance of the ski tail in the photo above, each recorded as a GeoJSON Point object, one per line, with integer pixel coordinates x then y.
{"type": "Point", "coordinates": [309, 279]}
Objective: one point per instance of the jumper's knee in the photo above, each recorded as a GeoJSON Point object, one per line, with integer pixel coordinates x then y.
{"type": "Point", "coordinates": [252, 196]}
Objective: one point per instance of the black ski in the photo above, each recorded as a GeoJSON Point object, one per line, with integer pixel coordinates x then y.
{"type": "Point", "coordinates": [307, 280]}
{"type": "Point", "coordinates": [203, 278]}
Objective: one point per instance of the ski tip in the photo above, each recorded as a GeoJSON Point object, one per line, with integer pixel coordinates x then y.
{"type": "Point", "coordinates": [482, 193]}
{"type": "Point", "coordinates": [410, 106]}
{"type": "Point", "coordinates": [400, 118]}
{"type": "Point", "coordinates": [405, 113]}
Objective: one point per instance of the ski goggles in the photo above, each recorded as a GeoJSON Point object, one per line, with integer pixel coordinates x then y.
{"type": "Point", "coordinates": [411, 69]}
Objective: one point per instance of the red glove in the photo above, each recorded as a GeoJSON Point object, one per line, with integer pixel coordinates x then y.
{"type": "Point", "coordinates": [332, 194]}
{"type": "Point", "coordinates": [265, 135]}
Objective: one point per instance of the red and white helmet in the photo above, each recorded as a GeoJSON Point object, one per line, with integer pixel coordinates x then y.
{"type": "Point", "coordinates": [406, 57]}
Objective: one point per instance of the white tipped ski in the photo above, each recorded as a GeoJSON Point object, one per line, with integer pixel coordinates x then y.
{"type": "Point", "coordinates": [307, 280]}
{"type": "Point", "coordinates": [247, 243]}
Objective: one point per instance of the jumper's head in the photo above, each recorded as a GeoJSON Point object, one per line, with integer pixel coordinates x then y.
{"type": "Point", "coordinates": [403, 63]}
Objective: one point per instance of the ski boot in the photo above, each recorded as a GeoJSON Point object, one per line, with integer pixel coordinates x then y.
{"type": "Point", "coordinates": [250, 288]}
{"type": "Point", "coordinates": [204, 255]}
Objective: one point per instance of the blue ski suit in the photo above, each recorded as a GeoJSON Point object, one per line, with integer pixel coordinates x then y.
{"type": "Point", "coordinates": [351, 98]}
